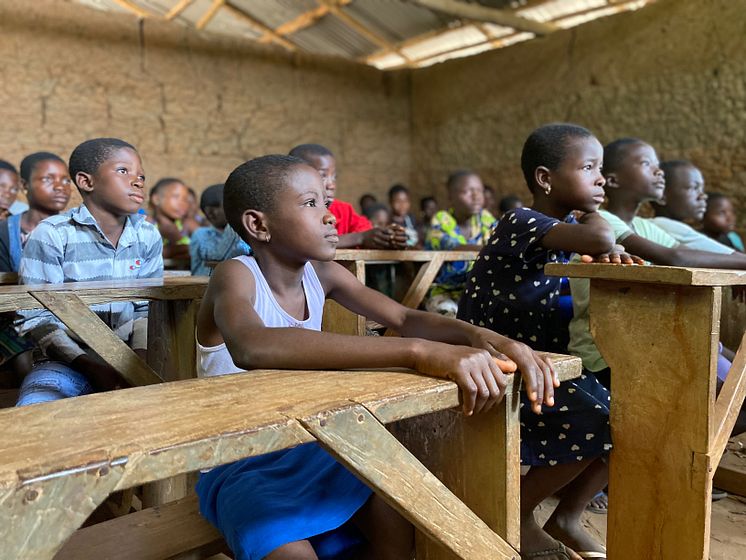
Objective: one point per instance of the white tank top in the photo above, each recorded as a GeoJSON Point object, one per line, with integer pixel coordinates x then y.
{"type": "Point", "coordinates": [216, 360]}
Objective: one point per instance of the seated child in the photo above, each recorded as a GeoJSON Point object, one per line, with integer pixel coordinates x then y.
{"type": "Point", "coordinates": [9, 188]}
{"type": "Point", "coordinates": [428, 209]}
{"type": "Point", "coordinates": [465, 225]}
{"type": "Point", "coordinates": [684, 202]}
{"type": "Point", "coordinates": [217, 242]}
{"type": "Point", "coordinates": [102, 239]}
{"type": "Point", "coordinates": [720, 221]}
{"type": "Point", "coordinates": [265, 312]}
{"type": "Point", "coordinates": [169, 200]}
{"type": "Point", "coordinates": [354, 230]}
{"type": "Point", "coordinates": [366, 200]}
{"type": "Point", "coordinates": [378, 214]}
{"type": "Point", "coordinates": [400, 213]}
{"type": "Point", "coordinates": [508, 292]}
{"type": "Point", "coordinates": [510, 202]}
{"type": "Point", "coordinates": [48, 186]}
{"type": "Point", "coordinates": [194, 219]}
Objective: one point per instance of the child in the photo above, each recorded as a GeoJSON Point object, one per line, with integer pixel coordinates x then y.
{"type": "Point", "coordinates": [490, 202]}
{"type": "Point", "coordinates": [720, 221]}
{"type": "Point", "coordinates": [48, 186]}
{"type": "Point", "coordinates": [428, 209]}
{"type": "Point", "coordinates": [378, 215]}
{"type": "Point", "coordinates": [684, 202]}
{"type": "Point", "coordinates": [102, 239]}
{"type": "Point", "coordinates": [400, 213]}
{"type": "Point", "coordinates": [354, 230]}
{"type": "Point", "coordinates": [508, 292]}
{"type": "Point", "coordinates": [366, 200]}
{"type": "Point", "coordinates": [510, 202]}
{"type": "Point", "coordinates": [194, 218]}
{"type": "Point", "coordinates": [465, 225]}
{"type": "Point", "coordinates": [265, 312]}
{"type": "Point", "coordinates": [9, 187]}
{"type": "Point", "coordinates": [217, 242]}
{"type": "Point", "coordinates": [170, 204]}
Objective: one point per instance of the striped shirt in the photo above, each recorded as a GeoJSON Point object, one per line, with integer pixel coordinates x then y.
{"type": "Point", "coordinates": [71, 247]}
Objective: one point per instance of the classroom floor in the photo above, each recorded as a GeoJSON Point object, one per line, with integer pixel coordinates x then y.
{"type": "Point", "coordinates": [728, 538]}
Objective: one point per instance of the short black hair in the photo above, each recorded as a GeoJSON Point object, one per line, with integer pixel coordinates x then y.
{"type": "Point", "coordinates": [212, 196]}
{"type": "Point", "coordinates": [7, 166]}
{"type": "Point", "coordinates": [509, 202]}
{"type": "Point", "coordinates": [32, 160]}
{"type": "Point", "coordinates": [547, 147]}
{"type": "Point", "coordinates": [162, 183]}
{"type": "Point", "coordinates": [616, 151]}
{"type": "Point", "coordinates": [255, 184]}
{"type": "Point", "coordinates": [668, 167]}
{"type": "Point", "coordinates": [308, 151]}
{"type": "Point", "coordinates": [88, 156]}
{"type": "Point", "coordinates": [376, 207]}
{"type": "Point", "coordinates": [425, 199]}
{"type": "Point", "coordinates": [396, 189]}
{"type": "Point", "coordinates": [713, 196]}
{"type": "Point", "coordinates": [372, 197]}
{"type": "Point", "coordinates": [454, 179]}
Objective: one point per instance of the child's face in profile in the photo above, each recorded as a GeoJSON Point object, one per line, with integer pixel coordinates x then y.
{"type": "Point", "coordinates": [685, 196]}
{"type": "Point", "coordinates": [173, 201]}
{"type": "Point", "coordinates": [720, 216]}
{"type": "Point", "coordinates": [118, 183]}
{"type": "Point", "coordinates": [577, 182]}
{"type": "Point", "coordinates": [640, 173]}
{"type": "Point", "coordinates": [327, 168]}
{"type": "Point", "coordinates": [400, 204]}
{"type": "Point", "coordinates": [49, 187]}
{"type": "Point", "coordinates": [467, 196]}
{"type": "Point", "coordinates": [10, 184]}
{"type": "Point", "coordinates": [301, 226]}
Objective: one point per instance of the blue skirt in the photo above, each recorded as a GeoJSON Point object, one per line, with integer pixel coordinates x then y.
{"type": "Point", "coordinates": [264, 502]}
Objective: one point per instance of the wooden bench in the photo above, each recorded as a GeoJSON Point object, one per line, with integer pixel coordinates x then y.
{"type": "Point", "coordinates": [60, 460]}
{"type": "Point", "coordinates": [658, 330]}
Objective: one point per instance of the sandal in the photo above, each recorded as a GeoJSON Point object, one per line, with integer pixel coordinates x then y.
{"type": "Point", "coordinates": [560, 549]}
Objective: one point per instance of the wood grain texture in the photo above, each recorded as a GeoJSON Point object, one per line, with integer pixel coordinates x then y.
{"type": "Point", "coordinates": [653, 274]}
{"type": "Point", "coordinates": [369, 255]}
{"type": "Point", "coordinates": [661, 344]}
{"type": "Point", "coordinates": [731, 473]}
{"type": "Point", "coordinates": [358, 441]}
{"type": "Point", "coordinates": [78, 317]}
{"type": "Point", "coordinates": [728, 404]}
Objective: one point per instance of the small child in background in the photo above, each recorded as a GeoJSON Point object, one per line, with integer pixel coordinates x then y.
{"type": "Point", "coordinates": [428, 209]}
{"type": "Point", "coordinates": [365, 201]}
{"type": "Point", "coordinates": [378, 214]}
{"type": "Point", "coordinates": [218, 241]}
{"type": "Point", "coordinates": [490, 202]}
{"type": "Point", "coordinates": [354, 230]}
{"type": "Point", "coordinates": [510, 202]}
{"type": "Point", "coordinates": [466, 226]}
{"type": "Point", "coordinates": [48, 187]}
{"type": "Point", "coordinates": [102, 239]}
{"type": "Point", "coordinates": [401, 205]}
{"type": "Point", "coordinates": [194, 219]}
{"type": "Point", "coordinates": [720, 221]}
{"type": "Point", "coordinates": [10, 186]}
{"type": "Point", "coordinates": [170, 204]}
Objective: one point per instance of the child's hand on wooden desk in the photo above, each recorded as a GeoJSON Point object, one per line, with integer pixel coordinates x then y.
{"type": "Point", "coordinates": [376, 238]}
{"type": "Point", "coordinates": [397, 236]}
{"type": "Point", "coordinates": [617, 255]}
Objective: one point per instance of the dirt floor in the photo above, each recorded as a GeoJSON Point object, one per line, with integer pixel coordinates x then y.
{"type": "Point", "coordinates": [728, 539]}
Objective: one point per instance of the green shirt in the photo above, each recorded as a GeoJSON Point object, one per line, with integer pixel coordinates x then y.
{"type": "Point", "coordinates": [581, 340]}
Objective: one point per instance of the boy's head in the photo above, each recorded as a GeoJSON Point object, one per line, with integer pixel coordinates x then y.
{"type": "Point", "coordinates": [561, 164]}
{"type": "Point", "coordinates": [10, 184]}
{"type": "Point", "coordinates": [170, 197]}
{"type": "Point", "coordinates": [720, 216]}
{"type": "Point", "coordinates": [366, 200]}
{"type": "Point", "coordinates": [322, 160]}
{"type": "Point", "coordinates": [632, 171]}
{"type": "Point", "coordinates": [108, 173]}
{"type": "Point", "coordinates": [47, 182]}
{"type": "Point", "coordinates": [399, 200]}
{"type": "Point", "coordinates": [466, 193]}
{"type": "Point", "coordinates": [378, 214]}
{"type": "Point", "coordinates": [429, 207]}
{"type": "Point", "coordinates": [276, 203]}
{"type": "Point", "coordinates": [510, 202]}
{"type": "Point", "coordinates": [684, 197]}
{"type": "Point", "coordinates": [211, 204]}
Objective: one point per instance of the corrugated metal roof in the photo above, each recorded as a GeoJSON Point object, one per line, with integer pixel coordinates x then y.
{"type": "Point", "coordinates": [331, 36]}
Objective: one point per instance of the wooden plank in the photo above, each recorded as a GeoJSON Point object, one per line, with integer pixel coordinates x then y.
{"type": "Point", "coordinates": [151, 534]}
{"type": "Point", "coordinates": [133, 8]}
{"type": "Point", "coordinates": [660, 342]}
{"type": "Point", "coordinates": [491, 15]}
{"type": "Point", "coordinates": [8, 278]}
{"type": "Point", "coordinates": [732, 320]}
{"type": "Point", "coordinates": [420, 285]}
{"type": "Point", "coordinates": [731, 473]}
{"type": "Point", "coordinates": [358, 441]}
{"type": "Point", "coordinates": [677, 275]}
{"type": "Point", "coordinates": [78, 317]}
{"type": "Point", "coordinates": [259, 26]}
{"type": "Point", "coordinates": [209, 13]}
{"type": "Point", "coordinates": [179, 7]}
{"type": "Point", "coordinates": [403, 256]}
{"type": "Point", "coordinates": [728, 404]}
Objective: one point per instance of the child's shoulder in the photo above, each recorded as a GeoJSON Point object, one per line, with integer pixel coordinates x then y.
{"type": "Point", "coordinates": [525, 218]}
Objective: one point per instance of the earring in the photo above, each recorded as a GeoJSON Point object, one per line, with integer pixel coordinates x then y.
{"type": "Point", "coordinates": [266, 239]}
{"type": "Point", "coordinates": [548, 190]}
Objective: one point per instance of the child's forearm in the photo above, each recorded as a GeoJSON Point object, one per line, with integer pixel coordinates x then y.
{"type": "Point", "coordinates": [431, 326]}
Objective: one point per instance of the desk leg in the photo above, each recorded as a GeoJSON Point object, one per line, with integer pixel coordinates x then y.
{"type": "Point", "coordinates": [661, 344]}
{"type": "Point", "coordinates": [478, 459]}
{"type": "Point", "coordinates": [339, 320]}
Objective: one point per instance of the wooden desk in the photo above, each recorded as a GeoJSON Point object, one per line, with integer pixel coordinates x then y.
{"type": "Point", "coordinates": [658, 330]}
{"type": "Point", "coordinates": [60, 460]}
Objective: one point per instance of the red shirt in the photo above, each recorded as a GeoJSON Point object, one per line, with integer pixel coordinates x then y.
{"type": "Point", "coordinates": [348, 221]}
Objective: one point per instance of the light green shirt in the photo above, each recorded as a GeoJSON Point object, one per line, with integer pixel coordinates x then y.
{"type": "Point", "coordinates": [581, 341]}
{"type": "Point", "coordinates": [687, 235]}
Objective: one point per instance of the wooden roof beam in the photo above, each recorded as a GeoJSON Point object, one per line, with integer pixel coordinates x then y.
{"type": "Point", "coordinates": [133, 8]}
{"type": "Point", "coordinates": [178, 8]}
{"type": "Point", "coordinates": [209, 14]}
{"type": "Point", "coordinates": [489, 15]}
{"type": "Point", "coordinates": [259, 26]}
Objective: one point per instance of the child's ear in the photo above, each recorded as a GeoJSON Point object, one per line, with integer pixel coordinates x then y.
{"type": "Point", "coordinates": [24, 186]}
{"type": "Point", "coordinates": [255, 224]}
{"type": "Point", "coordinates": [611, 181]}
{"type": "Point", "coordinates": [543, 179]}
{"type": "Point", "coordinates": [84, 181]}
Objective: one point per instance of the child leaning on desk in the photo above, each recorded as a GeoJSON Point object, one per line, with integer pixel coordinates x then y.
{"type": "Point", "coordinates": [265, 311]}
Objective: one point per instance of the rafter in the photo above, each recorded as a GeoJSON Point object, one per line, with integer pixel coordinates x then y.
{"type": "Point", "coordinates": [133, 8]}
{"type": "Point", "coordinates": [490, 15]}
{"type": "Point", "coordinates": [259, 26]}
{"type": "Point", "coordinates": [178, 8]}
{"type": "Point", "coordinates": [209, 14]}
